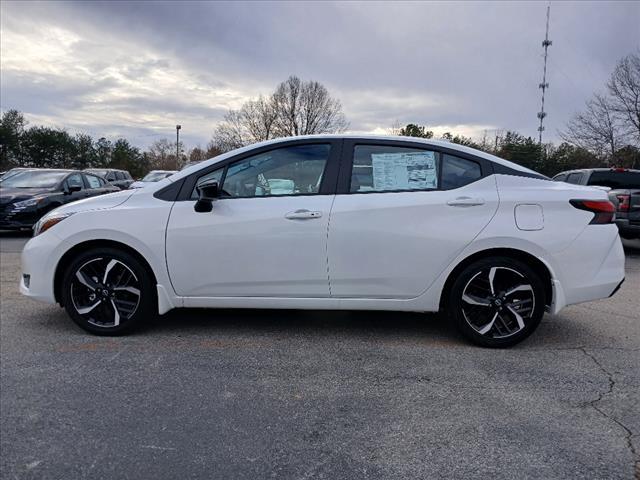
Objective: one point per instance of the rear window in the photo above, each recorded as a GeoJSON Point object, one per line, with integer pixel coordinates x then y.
{"type": "Point", "coordinates": [615, 180]}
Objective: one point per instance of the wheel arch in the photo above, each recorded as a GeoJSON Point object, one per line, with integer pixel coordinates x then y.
{"type": "Point", "coordinates": [531, 260]}
{"type": "Point", "coordinates": [68, 256]}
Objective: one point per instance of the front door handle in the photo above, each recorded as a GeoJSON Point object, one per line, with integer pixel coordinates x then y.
{"type": "Point", "coordinates": [302, 215]}
{"type": "Point", "coordinates": [465, 202]}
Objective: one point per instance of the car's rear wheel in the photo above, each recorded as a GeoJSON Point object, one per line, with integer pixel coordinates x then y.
{"type": "Point", "coordinates": [107, 291]}
{"type": "Point", "coordinates": [497, 302]}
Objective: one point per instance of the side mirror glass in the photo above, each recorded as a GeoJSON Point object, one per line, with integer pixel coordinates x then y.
{"type": "Point", "coordinates": [207, 193]}
{"type": "Point", "coordinates": [69, 189]}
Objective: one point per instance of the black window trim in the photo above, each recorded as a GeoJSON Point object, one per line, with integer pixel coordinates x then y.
{"type": "Point", "coordinates": [346, 164]}
{"type": "Point", "coordinates": [327, 186]}
{"type": "Point", "coordinates": [337, 176]}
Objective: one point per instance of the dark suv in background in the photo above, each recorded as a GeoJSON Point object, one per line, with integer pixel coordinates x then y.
{"type": "Point", "coordinates": [120, 178]}
{"type": "Point", "coordinates": [625, 193]}
{"type": "Point", "coordinates": [28, 195]}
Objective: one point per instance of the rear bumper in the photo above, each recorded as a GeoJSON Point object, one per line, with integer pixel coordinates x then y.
{"type": "Point", "coordinates": [628, 229]}
{"type": "Point", "coordinates": [592, 268]}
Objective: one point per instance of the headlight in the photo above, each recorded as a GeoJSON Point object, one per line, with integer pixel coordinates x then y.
{"type": "Point", "coordinates": [48, 221]}
{"type": "Point", "coordinates": [32, 202]}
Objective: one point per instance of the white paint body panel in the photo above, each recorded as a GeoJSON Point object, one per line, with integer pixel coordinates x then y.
{"type": "Point", "coordinates": [394, 245]}
{"type": "Point", "coordinates": [374, 251]}
{"type": "Point", "coordinates": [246, 247]}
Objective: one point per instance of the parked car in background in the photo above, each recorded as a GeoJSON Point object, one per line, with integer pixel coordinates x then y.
{"type": "Point", "coordinates": [151, 177]}
{"type": "Point", "coordinates": [190, 164]}
{"type": "Point", "coordinates": [11, 172]}
{"type": "Point", "coordinates": [28, 195]}
{"type": "Point", "coordinates": [624, 194]}
{"type": "Point", "coordinates": [415, 225]}
{"type": "Point", "coordinates": [120, 178]}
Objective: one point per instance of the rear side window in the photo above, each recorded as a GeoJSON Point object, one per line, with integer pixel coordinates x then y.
{"type": "Point", "coordinates": [391, 169]}
{"type": "Point", "coordinates": [575, 178]}
{"type": "Point", "coordinates": [615, 179]}
{"type": "Point", "coordinates": [458, 172]}
{"type": "Point", "coordinates": [93, 181]}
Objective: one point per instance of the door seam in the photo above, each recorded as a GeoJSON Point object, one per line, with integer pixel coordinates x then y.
{"type": "Point", "coordinates": [327, 244]}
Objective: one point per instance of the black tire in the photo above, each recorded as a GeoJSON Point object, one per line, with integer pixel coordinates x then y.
{"type": "Point", "coordinates": [109, 307]}
{"type": "Point", "coordinates": [482, 313]}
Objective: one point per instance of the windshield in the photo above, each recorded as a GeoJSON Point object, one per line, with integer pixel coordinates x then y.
{"type": "Point", "coordinates": [100, 173]}
{"type": "Point", "coordinates": [34, 179]}
{"type": "Point", "coordinates": [156, 176]}
{"type": "Point", "coordinates": [615, 180]}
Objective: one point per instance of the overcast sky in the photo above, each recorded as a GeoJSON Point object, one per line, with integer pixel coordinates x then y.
{"type": "Point", "coordinates": [136, 69]}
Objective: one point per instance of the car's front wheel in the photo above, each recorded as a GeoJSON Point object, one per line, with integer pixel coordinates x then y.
{"type": "Point", "coordinates": [497, 302]}
{"type": "Point", "coordinates": [107, 291]}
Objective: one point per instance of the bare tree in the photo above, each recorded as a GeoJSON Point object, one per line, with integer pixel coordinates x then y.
{"type": "Point", "coordinates": [624, 90]}
{"type": "Point", "coordinates": [162, 156]}
{"type": "Point", "coordinates": [597, 129]}
{"type": "Point", "coordinates": [306, 108]}
{"type": "Point", "coordinates": [295, 108]}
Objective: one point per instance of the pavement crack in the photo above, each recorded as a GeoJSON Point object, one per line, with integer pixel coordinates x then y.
{"type": "Point", "coordinates": [594, 404]}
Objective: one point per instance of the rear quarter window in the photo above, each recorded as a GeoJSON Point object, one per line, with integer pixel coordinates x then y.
{"type": "Point", "coordinates": [458, 172]}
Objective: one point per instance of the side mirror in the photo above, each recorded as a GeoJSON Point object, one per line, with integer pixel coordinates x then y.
{"type": "Point", "coordinates": [207, 193]}
{"type": "Point", "coordinates": [71, 189]}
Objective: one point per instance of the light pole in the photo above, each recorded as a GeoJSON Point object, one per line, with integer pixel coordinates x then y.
{"type": "Point", "coordinates": [178, 127]}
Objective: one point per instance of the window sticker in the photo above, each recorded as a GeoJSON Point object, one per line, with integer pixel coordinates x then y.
{"type": "Point", "coordinates": [404, 171]}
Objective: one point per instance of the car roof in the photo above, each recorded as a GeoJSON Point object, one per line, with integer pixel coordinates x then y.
{"type": "Point", "coordinates": [366, 138]}
{"type": "Point", "coordinates": [598, 169]}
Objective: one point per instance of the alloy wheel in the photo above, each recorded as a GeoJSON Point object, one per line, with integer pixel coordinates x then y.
{"type": "Point", "coordinates": [105, 292]}
{"type": "Point", "coordinates": [497, 302]}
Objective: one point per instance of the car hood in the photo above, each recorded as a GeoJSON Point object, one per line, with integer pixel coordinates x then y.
{"type": "Point", "coordinates": [10, 195]}
{"type": "Point", "coordinates": [102, 202]}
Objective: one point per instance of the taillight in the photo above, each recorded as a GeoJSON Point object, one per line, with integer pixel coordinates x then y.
{"type": "Point", "coordinates": [603, 210]}
{"type": "Point", "coordinates": [623, 202]}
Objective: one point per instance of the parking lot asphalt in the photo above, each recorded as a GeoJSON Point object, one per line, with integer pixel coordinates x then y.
{"type": "Point", "coordinates": [287, 394]}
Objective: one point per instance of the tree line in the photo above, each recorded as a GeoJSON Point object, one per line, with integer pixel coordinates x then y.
{"type": "Point", "coordinates": [605, 133]}
{"type": "Point", "coordinates": [46, 147]}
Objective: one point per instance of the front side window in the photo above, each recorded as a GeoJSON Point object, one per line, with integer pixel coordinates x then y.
{"type": "Point", "coordinates": [295, 170]}
{"type": "Point", "coordinates": [216, 175]}
{"type": "Point", "coordinates": [384, 168]}
{"type": "Point", "coordinates": [75, 180]}
{"type": "Point", "coordinates": [458, 172]}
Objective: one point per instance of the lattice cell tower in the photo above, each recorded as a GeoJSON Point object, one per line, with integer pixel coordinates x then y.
{"type": "Point", "coordinates": [546, 43]}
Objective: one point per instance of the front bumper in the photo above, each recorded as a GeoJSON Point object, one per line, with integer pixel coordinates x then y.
{"type": "Point", "coordinates": [39, 259]}
{"type": "Point", "coordinates": [18, 219]}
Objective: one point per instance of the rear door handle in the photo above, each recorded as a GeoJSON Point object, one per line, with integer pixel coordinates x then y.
{"type": "Point", "coordinates": [465, 202]}
{"type": "Point", "coordinates": [302, 215]}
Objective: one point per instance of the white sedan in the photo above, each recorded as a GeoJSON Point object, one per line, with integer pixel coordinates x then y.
{"type": "Point", "coordinates": [334, 222]}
